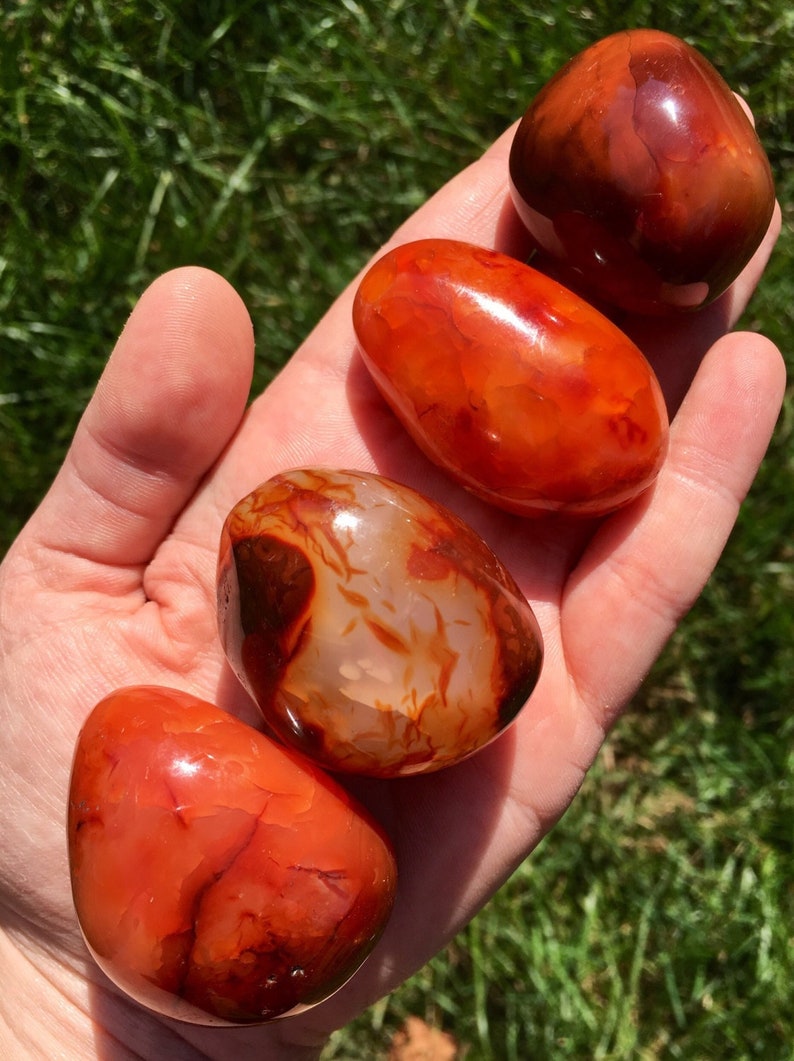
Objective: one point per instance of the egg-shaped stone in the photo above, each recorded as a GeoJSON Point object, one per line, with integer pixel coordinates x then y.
{"type": "Point", "coordinates": [377, 632]}
{"type": "Point", "coordinates": [519, 389]}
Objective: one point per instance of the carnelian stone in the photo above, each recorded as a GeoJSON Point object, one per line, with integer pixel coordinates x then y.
{"type": "Point", "coordinates": [640, 175]}
{"type": "Point", "coordinates": [217, 877]}
{"type": "Point", "coordinates": [377, 632]}
{"type": "Point", "coordinates": [519, 389]}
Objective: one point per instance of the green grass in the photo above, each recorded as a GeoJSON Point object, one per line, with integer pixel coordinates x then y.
{"type": "Point", "coordinates": [281, 143]}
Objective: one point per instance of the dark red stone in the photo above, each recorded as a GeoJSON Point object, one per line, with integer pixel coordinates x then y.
{"type": "Point", "coordinates": [640, 176]}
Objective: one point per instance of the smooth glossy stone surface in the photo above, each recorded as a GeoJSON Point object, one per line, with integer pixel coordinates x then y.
{"type": "Point", "coordinates": [218, 878]}
{"type": "Point", "coordinates": [521, 391]}
{"type": "Point", "coordinates": [376, 630]}
{"type": "Point", "coordinates": [637, 170]}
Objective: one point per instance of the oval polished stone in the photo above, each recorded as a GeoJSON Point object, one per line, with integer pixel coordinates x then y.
{"type": "Point", "coordinates": [640, 175]}
{"type": "Point", "coordinates": [377, 632]}
{"type": "Point", "coordinates": [217, 877]}
{"type": "Point", "coordinates": [521, 391]}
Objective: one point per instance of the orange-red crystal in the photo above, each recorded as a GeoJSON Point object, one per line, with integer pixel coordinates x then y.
{"type": "Point", "coordinates": [519, 389]}
{"type": "Point", "coordinates": [218, 877]}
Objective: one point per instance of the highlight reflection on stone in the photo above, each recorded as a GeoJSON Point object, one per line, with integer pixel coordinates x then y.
{"type": "Point", "coordinates": [640, 176]}
{"type": "Point", "coordinates": [217, 876]}
{"type": "Point", "coordinates": [376, 630]}
{"type": "Point", "coordinates": [516, 387]}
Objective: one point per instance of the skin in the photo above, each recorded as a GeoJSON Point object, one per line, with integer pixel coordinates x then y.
{"type": "Point", "coordinates": [112, 583]}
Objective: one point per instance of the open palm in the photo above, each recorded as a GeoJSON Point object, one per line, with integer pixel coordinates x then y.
{"type": "Point", "coordinates": [112, 583]}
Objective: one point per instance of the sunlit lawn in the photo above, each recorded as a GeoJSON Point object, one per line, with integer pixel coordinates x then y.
{"type": "Point", "coordinates": [281, 143]}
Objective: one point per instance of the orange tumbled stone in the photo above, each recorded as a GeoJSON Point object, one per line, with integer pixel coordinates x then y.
{"type": "Point", "coordinates": [377, 632]}
{"type": "Point", "coordinates": [516, 387]}
{"type": "Point", "coordinates": [218, 878]}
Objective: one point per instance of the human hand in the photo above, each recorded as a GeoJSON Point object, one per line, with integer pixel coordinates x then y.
{"type": "Point", "coordinates": [112, 583]}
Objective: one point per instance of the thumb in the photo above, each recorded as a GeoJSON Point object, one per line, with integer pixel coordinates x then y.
{"type": "Point", "coordinates": [169, 400]}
